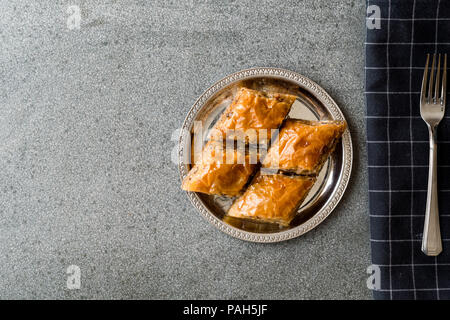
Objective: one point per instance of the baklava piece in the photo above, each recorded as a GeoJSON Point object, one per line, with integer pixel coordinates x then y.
{"type": "Point", "coordinates": [250, 112]}
{"type": "Point", "coordinates": [272, 198]}
{"type": "Point", "coordinates": [220, 171]}
{"type": "Point", "coordinates": [303, 146]}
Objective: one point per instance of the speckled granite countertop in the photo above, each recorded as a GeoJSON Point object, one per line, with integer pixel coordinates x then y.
{"type": "Point", "coordinates": [86, 120]}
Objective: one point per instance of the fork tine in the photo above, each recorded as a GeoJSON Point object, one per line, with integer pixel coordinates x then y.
{"type": "Point", "coordinates": [423, 92]}
{"type": "Point", "coordinates": [431, 83]}
{"type": "Point", "coordinates": [437, 86]}
{"type": "Point", "coordinates": [444, 82]}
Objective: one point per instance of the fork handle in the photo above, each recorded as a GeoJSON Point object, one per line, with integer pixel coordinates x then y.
{"type": "Point", "coordinates": [431, 241]}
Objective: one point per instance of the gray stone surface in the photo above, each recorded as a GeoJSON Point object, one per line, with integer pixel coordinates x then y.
{"type": "Point", "coordinates": [86, 118]}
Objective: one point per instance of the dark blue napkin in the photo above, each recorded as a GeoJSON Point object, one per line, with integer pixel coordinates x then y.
{"type": "Point", "coordinates": [397, 142]}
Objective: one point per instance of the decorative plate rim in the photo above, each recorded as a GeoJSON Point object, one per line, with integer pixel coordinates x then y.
{"type": "Point", "coordinates": [344, 178]}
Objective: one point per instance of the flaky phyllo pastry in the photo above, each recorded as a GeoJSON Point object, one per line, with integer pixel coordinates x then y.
{"type": "Point", "coordinates": [303, 146]}
{"type": "Point", "coordinates": [220, 170]}
{"type": "Point", "coordinates": [252, 115]}
{"type": "Point", "coordinates": [272, 198]}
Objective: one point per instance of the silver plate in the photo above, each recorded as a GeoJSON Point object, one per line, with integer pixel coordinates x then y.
{"type": "Point", "coordinates": [312, 103]}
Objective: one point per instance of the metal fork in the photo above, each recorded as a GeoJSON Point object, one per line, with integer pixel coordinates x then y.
{"type": "Point", "coordinates": [432, 109]}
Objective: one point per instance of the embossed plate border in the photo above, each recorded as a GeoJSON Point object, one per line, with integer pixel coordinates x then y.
{"type": "Point", "coordinates": [344, 177]}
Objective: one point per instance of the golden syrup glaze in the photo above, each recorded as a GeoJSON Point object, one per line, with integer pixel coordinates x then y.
{"type": "Point", "coordinates": [302, 146]}
{"type": "Point", "coordinates": [252, 110]}
{"type": "Point", "coordinates": [272, 198]}
{"type": "Point", "coordinates": [220, 171]}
